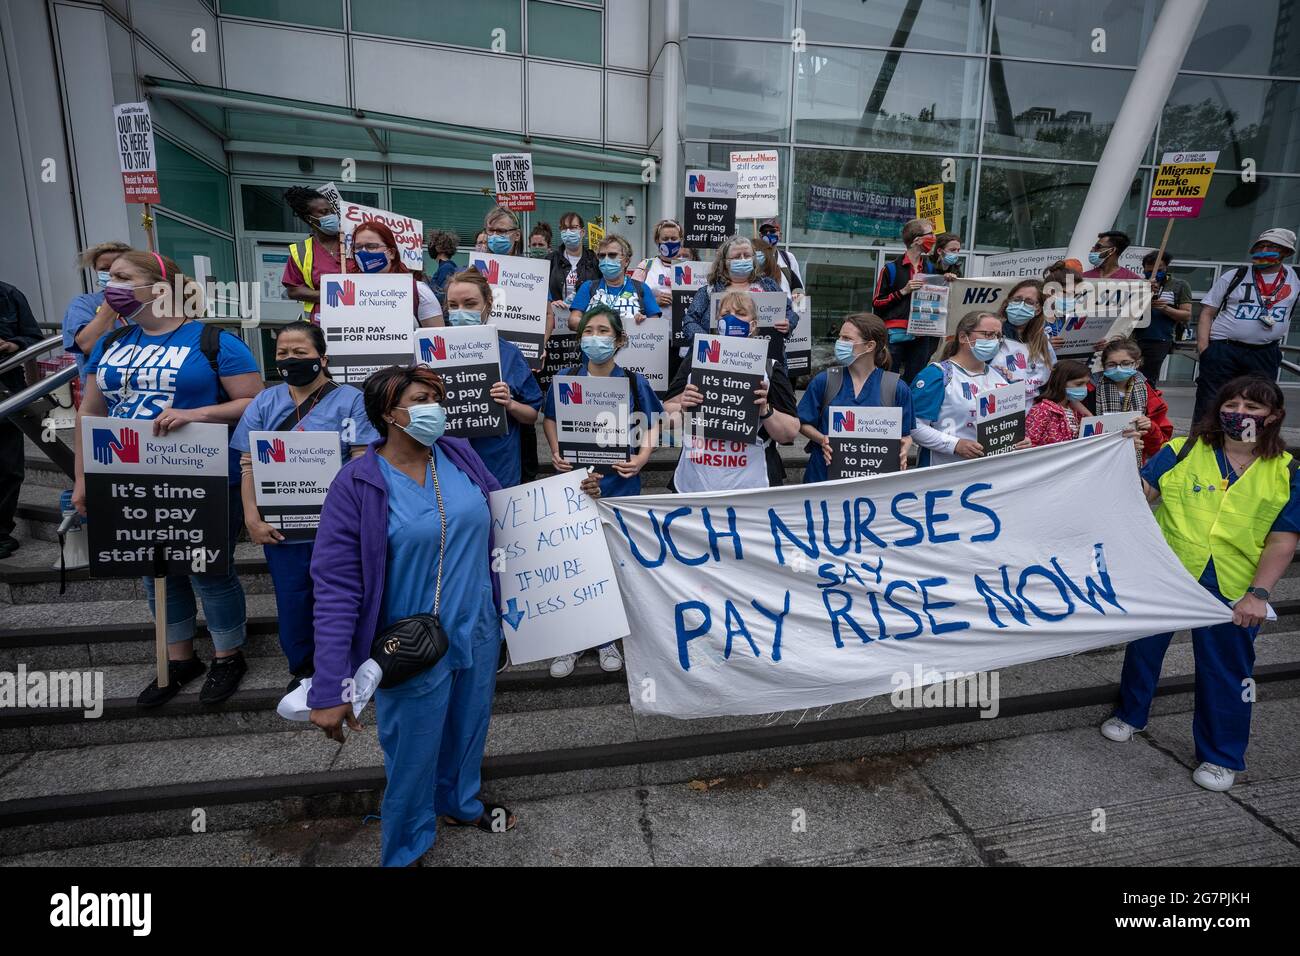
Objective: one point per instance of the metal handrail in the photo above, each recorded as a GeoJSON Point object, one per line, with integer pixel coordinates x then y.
{"type": "Point", "coordinates": [12, 404]}
{"type": "Point", "coordinates": [40, 348]}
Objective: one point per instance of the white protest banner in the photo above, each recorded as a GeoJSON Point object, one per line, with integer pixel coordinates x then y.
{"type": "Point", "coordinates": [864, 441]}
{"type": "Point", "coordinates": [291, 472]}
{"type": "Point", "coordinates": [520, 294]}
{"type": "Point", "coordinates": [929, 312]}
{"type": "Point", "coordinates": [469, 360]}
{"type": "Point", "coordinates": [972, 295]}
{"type": "Point", "coordinates": [1106, 424]}
{"type": "Point", "coordinates": [807, 595]}
{"type": "Point", "coordinates": [408, 232]}
{"type": "Point", "coordinates": [591, 419]}
{"type": "Point", "coordinates": [688, 278]}
{"type": "Point", "coordinates": [757, 182]}
{"type": "Point", "coordinates": [1030, 263]}
{"type": "Point", "coordinates": [727, 369]}
{"type": "Point", "coordinates": [512, 174]}
{"type": "Point", "coordinates": [1000, 421]}
{"type": "Point", "coordinates": [798, 345]}
{"type": "Point", "coordinates": [156, 504]}
{"type": "Point", "coordinates": [368, 321]}
{"type": "Point", "coordinates": [769, 305]}
{"type": "Point", "coordinates": [558, 591]}
{"type": "Point", "coordinates": [1104, 308]}
{"type": "Point", "coordinates": [135, 152]}
{"type": "Point", "coordinates": [710, 211]}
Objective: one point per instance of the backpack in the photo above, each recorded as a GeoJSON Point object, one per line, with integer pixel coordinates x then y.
{"type": "Point", "coordinates": [834, 381]}
{"type": "Point", "coordinates": [209, 345]}
{"type": "Point", "coordinates": [1239, 276]}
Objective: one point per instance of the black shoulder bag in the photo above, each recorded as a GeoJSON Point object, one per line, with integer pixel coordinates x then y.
{"type": "Point", "coordinates": [414, 644]}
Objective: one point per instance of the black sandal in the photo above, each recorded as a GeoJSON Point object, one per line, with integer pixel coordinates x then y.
{"type": "Point", "coordinates": [484, 822]}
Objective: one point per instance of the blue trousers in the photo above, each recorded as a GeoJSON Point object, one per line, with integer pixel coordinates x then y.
{"type": "Point", "coordinates": [290, 565]}
{"type": "Point", "coordinates": [1224, 360]}
{"type": "Point", "coordinates": [432, 730]}
{"type": "Point", "coordinates": [1225, 658]}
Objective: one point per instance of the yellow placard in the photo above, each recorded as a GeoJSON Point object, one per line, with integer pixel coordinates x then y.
{"type": "Point", "coordinates": [1181, 184]}
{"type": "Point", "coordinates": [929, 205]}
{"type": "Point", "coordinates": [594, 235]}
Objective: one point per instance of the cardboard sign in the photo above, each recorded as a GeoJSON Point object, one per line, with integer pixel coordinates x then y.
{"type": "Point", "coordinates": [864, 441]}
{"type": "Point", "coordinates": [769, 305]}
{"type": "Point", "coordinates": [647, 349]}
{"type": "Point", "coordinates": [156, 504]}
{"type": "Point", "coordinates": [757, 182]}
{"type": "Point", "coordinates": [929, 205]}
{"type": "Point", "coordinates": [1104, 308]}
{"type": "Point", "coordinates": [1181, 184]}
{"type": "Point", "coordinates": [558, 590]}
{"type": "Point", "coordinates": [469, 360]}
{"type": "Point", "coordinates": [929, 308]}
{"type": "Point", "coordinates": [1106, 424]}
{"type": "Point", "coordinates": [726, 370]}
{"type": "Point", "coordinates": [710, 213]}
{"type": "Point", "coordinates": [591, 419]}
{"type": "Point", "coordinates": [520, 300]}
{"type": "Point", "coordinates": [595, 235]}
{"type": "Point", "coordinates": [688, 278]}
{"type": "Point", "coordinates": [513, 175]}
{"type": "Point", "coordinates": [798, 345]}
{"type": "Point", "coordinates": [292, 472]}
{"type": "Point", "coordinates": [1000, 421]}
{"type": "Point", "coordinates": [408, 232]}
{"type": "Point", "coordinates": [135, 152]}
{"type": "Point", "coordinates": [368, 321]}
{"type": "Point", "coordinates": [971, 295]}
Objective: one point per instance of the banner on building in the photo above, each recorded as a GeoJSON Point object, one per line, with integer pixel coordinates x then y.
{"type": "Point", "coordinates": [513, 175]}
{"type": "Point", "coordinates": [865, 441]}
{"type": "Point", "coordinates": [929, 205]}
{"type": "Point", "coordinates": [368, 321]}
{"type": "Point", "coordinates": [757, 182]}
{"type": "Point", "coordinates": [591, 419]}
{"type": "Point", "coordinates": [710, 208]}
{"type": "Point", "coordinates": [292, 472]}
{"type": "Point", "coordinates": [468, 358]}
{"type": "Point", "coordinates": [872, 210]}
{"type": "Point", "coordinates": [1181, 184]}
{"type": "Point", "coordinates": [807, 595]}
{"type": "Point", "coordinates": [135, 152]}
{"type": "Point", "coordinates": [520, 300]}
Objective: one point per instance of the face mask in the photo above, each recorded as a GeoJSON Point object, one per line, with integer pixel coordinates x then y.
{"type": "Point", "coordinates": [1160, 276]}
{"type": "Point", "coordinates": [571, 237]}
{"type": "Point", "coordinates": [734, 325]}
{"type": "Point", "coordinates": [1120, 374]}
{"type": "Point", "coordinates": [760, 258]}
{"type": "Point", "coordinates": [669, 249]}
{"type": "Point", "coordinates": [299, 371]}
{"type": "Point", "coordinates": [598, 348]}
{"type": "Point", "coordinates": [741, 268]}
{"type": "Point", "coordinates": [1077, 394]}
{"type": "Point", "coordinates": [538, 252]}
{"type": "Point", "coordinates": [120, 297]}
{"type": "Point", "coordinates": [985, 349]}
{"type": "Point", "coordinates": [1066, 305]}
{"type": "Point", "coordinates": [950, 258]}
{"type": "Point", "coordinates": [926, 243]}
{"type": "Point", "coordinates": [428, 422]}
{"type": "Point", "coordinates": [464, 317]}
{"type": "Point", "coordinates": [372, 261]}
{"type": "Point", "coordinates": [611, 268]}
{"type": "Point", "coordinates": [102, 278]}
{"type": "Point", "coordinates": [1237, 424]}
{"type": "Point", "coordinates": [1096, 258]}
{"type": "Point", "coordinates": [1019, 313]}
{"type": "Point", "coordinates": [1266, 256]}
{"type": "Point", "coordinates": [773, 238]}
{"type": "Point", "coordinates": [329, 225]}
{"type": "Point", "coordinates": [500, 244]}
{"type": "Point", "coordinates": [844, 352]}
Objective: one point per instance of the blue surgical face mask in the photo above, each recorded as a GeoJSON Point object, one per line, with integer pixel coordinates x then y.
{"type": "Point", "coordinates": [1120, 374]}
{"type": "Point", "coordinates": [741, 267]}
{"type": "Point", "coordinates": [464, 317]}
{"type": "Point", "coordinates": [598, 348]}
{"type": "Point", "coordinates": [985, 349]}
{"type": "Point", "coordinates": [428, 422]}
{"type": "Point", "coordinates": [329, 224]}
{"type": "Point", "coordinates": [1019, 313]}
{"type": "Point", "coordinates": [611, 268]}
{"type": "Point", "coordinates": [760, 258]}
{"type": "Point", "coordinates": [1077, 394]}
{"type": "Point", "coordinates": [1066, 305]}
{"type": "Point", "coordinates": [372, 261]}
{"type": "Point", "coordinates": [1096, 258]}
{"type": "Point", "coordinates": [102, 278]}
{"type": "Point", "coordinates": [844, 352]}
{"type": "Point", "coordinates": [773, 238]}
{"type": "Point", "coordinates": [950, 258]}
{"type": "Point", "coordinates": [571, 237]}
{"type": "Point", "coordinates": [733, 325]}
{"type": "Point", "coordinates": [669, 249]}
{"type": "Point", "coordinates": [500, 244]}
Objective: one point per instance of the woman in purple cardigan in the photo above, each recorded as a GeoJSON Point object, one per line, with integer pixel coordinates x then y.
{"type": "Point", "coordinates": [377, 556]}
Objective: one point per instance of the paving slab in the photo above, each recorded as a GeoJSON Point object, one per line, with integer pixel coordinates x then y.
{"type": "Point", "coordinates": [1275, 802]}
{"type": "Point", "coordinates": [1274, 730]}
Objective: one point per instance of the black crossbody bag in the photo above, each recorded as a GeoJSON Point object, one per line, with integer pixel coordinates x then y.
{"type": "Point", "coordinates": [414, 644]}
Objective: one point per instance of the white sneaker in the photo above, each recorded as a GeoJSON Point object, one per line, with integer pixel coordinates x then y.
{"type": "Point", "coordinates": [610, 659]}
{"type": "Point", "coordinates": [1118, 731]}
{"type": "Point", "coordinates": [563, 665]}
{"type": "Point", "coordinates": [1213, 777]}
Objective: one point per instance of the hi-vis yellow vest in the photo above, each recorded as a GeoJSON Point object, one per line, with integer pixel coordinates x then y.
{"type": "Point", "coordinates": [303, 262]}
{"type": "Point", "coordinates": [1201, 520]}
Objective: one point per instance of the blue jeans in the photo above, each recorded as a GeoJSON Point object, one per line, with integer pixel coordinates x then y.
{"type": "Point", "coordinates": [222, 596]}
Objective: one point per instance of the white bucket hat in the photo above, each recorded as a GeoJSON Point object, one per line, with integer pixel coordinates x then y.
{"type": "Point", "coordinates": [1283, 237]}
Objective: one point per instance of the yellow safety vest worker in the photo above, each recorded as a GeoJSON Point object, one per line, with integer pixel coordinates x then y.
{"type": "Point", "coordinates": [303, 262]}
{"type": "Point", "coordinates": [1203, 520]}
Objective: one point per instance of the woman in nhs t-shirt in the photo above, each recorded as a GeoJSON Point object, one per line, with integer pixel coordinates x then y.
{"type": "Point", "coordinates": [157, 369]}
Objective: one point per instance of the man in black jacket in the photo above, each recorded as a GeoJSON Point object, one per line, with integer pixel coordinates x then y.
{"type": "Point", "coordinates": [18, 330]}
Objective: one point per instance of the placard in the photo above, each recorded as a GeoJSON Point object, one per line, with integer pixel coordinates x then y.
{"type": "Point", "coordinates": [513, 175]}
{"type": "Point", "coordinates": [971, 295]}
{"type": "Point", "coordinates": [1104, 308]}
{"type": "Point", "coordinates": [592, 413]}
{"type": "Point", "coordinates": [865, 441]}
{"type": "Point", "coordinates": [1000, 421]}
{"type": "Point", "coordinates": [710, 213]}
{"type": "Point", "coordinates": [726, 370]}
{"type": "Point", "coordinates": [563, 352]}
{"type": "Point", "coordinates": [135, 152]}
{"type": "Point", "coordinates": [647, 348]}
{"type": "Point", "coordinates": [1094, 425]}
{"type": "Point", "coordinates": [558, 590]}
{"type": "Point", "coordinates": [156, 504]}
{"type": "Point", "coordinates": [688, 278]}
{"type": "Point", "coordinates": [757, 182]}
{"type": "Point", "coordinates": [798, 344]}
{"type": "Point", "coordinates": [520, 300]}
{"type": "Point", "coordinates": [770, 307]}
{"type": "Point", "coordinates": [368, 321]}
{"type": "Point", "coordinates": [1181, 184]}
{"type": "Point", "coordinates": [469, 360]}
{"type": "Point", "coordinates": [408, 232]}
{"type": "Point", "coordinates": [292, 472]}
{"type": "Point", "coordinates": [929, 308]}
{"type": "Point", "coordinates": [929, 205]}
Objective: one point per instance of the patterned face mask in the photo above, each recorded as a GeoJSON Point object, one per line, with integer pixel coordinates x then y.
{"type": "Point", "coordinates": [1239, 425]}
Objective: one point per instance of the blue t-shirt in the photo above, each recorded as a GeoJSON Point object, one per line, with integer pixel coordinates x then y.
{"type": "Point", "coordinates": [1288, 520]}
{"type": "Point", "coordinates": [342, 410]}
{"type": "Point", "coordinates": [140, 375]}
{"type": "Point", "coordinates": [623, 298]}
{"type": "Point", "coordinates": [501, 452]}
{"type": "Point", "coordinates": [81, 311]}
{"type": "Point", "coordinates": [615, 485]}
{"type": "Point", "coordinates": [810, 410]}
{"type": "Point", "coordinates": [467, 611]}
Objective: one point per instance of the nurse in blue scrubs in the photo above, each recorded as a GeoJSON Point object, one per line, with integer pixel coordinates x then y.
{"type": "Point", "coordinates": [469, 302]}
{"type": "Point", "coordinates": [307, 400]}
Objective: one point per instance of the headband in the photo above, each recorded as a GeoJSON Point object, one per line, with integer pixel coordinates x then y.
{"type": "Point", "coordinates": [161, 265]}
